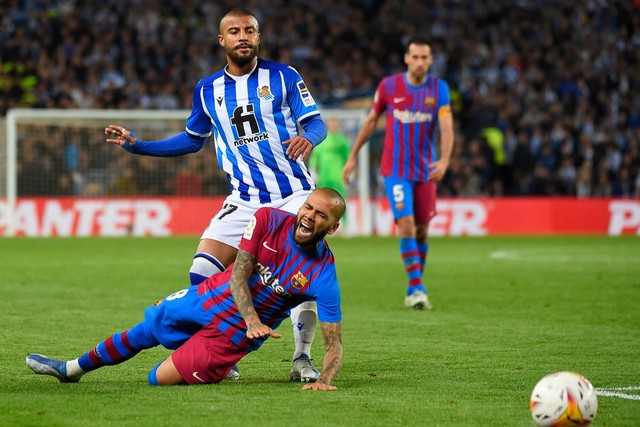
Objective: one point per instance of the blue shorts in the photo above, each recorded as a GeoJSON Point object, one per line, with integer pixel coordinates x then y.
{"type": "Point", "coordinates": [174, 319]}
{"type": "Point", "coordinates": [408, 198]}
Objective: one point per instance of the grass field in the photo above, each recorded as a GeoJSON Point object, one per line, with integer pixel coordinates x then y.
{"type": "Point", "coordinates": [506, 312]}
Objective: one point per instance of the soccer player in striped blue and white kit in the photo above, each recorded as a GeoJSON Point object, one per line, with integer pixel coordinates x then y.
{"type": "Point", "coordinates": [415, 104]}
{"type": "Point", "coordinates": [283, 260]}
{"type": "Point", "coordinates": [252, 108]}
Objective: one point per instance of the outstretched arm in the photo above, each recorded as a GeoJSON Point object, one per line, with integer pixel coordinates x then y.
{"type": "Point", "coordinates": [332, 334]}
{"type": "Point", "coordinates": [177, 145]}
{"type": "Point", "coordinates": [242, 270]}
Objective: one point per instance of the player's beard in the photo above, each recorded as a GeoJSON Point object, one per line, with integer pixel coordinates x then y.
{"type": "Point", "coordinates": [241, 59]}
{"type": "Point", "coordinates": [312, 241]}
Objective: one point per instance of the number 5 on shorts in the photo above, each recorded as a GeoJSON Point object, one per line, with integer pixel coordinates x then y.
{"type": "Point", "coordinates": [398, 193]}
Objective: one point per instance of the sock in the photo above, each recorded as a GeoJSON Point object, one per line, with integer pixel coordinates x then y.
{"type": "Point", "coordinates": [411, 259]}
{"type": "Point", "coordinates": [116, 349]}
{"type": "Point", "coordinates": [152, 378]}
{"type": "Point", "coordinates": [303, 319]}
{"type": "Point", "coordinates": [423, 248]}
{"type": "Point", "coordinates": [203, 267]}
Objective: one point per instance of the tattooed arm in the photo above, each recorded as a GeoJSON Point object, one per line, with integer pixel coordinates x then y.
{"type": "Point", "coordinates": [332, 334]}
{"type": "Point", "coordinates": [243, 269]}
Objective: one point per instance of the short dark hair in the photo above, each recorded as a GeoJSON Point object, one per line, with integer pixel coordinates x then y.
{"type": "Point", "coordinates": [419, 40]}
{"type": "Point", "coordinates": [238, 11]}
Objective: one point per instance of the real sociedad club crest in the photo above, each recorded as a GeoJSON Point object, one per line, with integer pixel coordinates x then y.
{"type": "Point", "coordinates": [264, 93]}
{"type": "Point", "coordinates": [299, 281]}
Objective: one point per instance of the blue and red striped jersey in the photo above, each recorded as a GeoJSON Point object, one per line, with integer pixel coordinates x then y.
{"type": "Point", "coordinates": [411, 114]}
{"type": "Point", "coordinates": [284, 277]}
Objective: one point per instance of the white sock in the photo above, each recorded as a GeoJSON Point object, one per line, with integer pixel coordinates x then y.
{"type": "Point", "coordinates": [203, 266]}
{"type": "Point", "coordinates": [74, 370]}
{"type": "Point", "coordinates": [304, 318]}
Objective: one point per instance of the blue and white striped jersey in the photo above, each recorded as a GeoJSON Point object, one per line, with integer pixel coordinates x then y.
{"type": "Point", "coordinates": [250, 116]}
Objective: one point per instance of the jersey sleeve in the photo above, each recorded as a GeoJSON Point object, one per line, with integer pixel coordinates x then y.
{"type": "Point", "coordinates": [444, 99]}
{"type": "Point", "coordinates": [328, 295]}
{"type": "Point", "coordinates": [380, 98]}
{"type": "Point", "coordinates": [298, 96]}
{"type": "Point", "coordinates": [256, 229]}
{"type": "Point", "coordinates": [199, 122]}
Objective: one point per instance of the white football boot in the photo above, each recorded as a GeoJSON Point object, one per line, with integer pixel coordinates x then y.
{"type": "Point", "coordinates": [417, 300]}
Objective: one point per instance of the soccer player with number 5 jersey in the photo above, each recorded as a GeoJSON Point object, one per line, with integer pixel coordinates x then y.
{"type": "Point", "coordinates": [416, 105]}
{"type": "Point", "coordinates": [252, 108]}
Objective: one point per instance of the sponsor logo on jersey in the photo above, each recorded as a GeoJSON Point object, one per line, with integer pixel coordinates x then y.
{"type": "Point", "coordinates": [248, 232]}
{"type": "Point", "coordinates": [305, 95]}
{"type": "Point", "coordinates": [265, 94]}
{"type": "Point", "coordinates": [268, 279]}
{"type": "Point", "coordinates": [404, 116]}
{"type": "Point", "coordinates": [299, 281]}
{"type": "Point", "coordinates": [250, 139]}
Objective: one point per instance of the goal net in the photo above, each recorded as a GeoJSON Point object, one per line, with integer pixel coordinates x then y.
{"type": "Point", "coordinates": [62, 155]}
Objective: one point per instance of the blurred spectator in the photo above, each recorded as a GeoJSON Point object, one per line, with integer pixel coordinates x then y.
{"type": "Point", "coordinates": [563, 73]}
{"type": "Point", "coordinates": [188, 181]}
{"type": "Point", "coordinates": [584, 180]}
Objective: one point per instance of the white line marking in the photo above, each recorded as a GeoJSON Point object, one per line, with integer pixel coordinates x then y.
{"type": "Point", "coordinates": [538, 257]}
{"type": "Point", "coordinates": [613, 392]}
{"type": "Point", "coordinates": [632, 387]}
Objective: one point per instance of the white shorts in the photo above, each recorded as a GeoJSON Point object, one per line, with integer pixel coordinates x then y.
{"type": "Point", "coordinates": [228, 225]}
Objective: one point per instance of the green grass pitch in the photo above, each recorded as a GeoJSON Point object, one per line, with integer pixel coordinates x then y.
{"type": "Point", "coordinates": [506, 312]}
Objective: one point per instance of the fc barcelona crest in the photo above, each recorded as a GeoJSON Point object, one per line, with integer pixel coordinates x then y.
{"type": "Point", "coordinates": [430, 102]}
{"type": "Point", "coordinates": [299, 281]}
{"type": "Point", "coordinates": [264, 93]}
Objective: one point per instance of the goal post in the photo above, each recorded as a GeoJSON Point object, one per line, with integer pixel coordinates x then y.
{"type": "Point", "coordinates": [61, 153]}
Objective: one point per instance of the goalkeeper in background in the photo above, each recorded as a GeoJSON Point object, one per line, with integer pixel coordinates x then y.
{"type": "Point", "coordinates": [328, 159]}
{"type": "Point", "coordinates": [252, 107]}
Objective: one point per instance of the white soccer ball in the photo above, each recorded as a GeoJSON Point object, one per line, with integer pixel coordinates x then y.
{"type": "Point", "coordinates": [563, 399]}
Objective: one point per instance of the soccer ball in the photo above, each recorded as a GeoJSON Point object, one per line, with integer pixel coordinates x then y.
{"type": "Point", "coordinates": [563, 399]}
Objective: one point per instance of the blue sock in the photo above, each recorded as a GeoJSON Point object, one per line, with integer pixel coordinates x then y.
{"type": "Point", "coordinates": [152, 378]}
{"type": "Point", "coordinates": [118, 348]}
{"type": "Point", "coordinates": [411, 258]}
{"type": "Point", "coordinates": [423, 248]}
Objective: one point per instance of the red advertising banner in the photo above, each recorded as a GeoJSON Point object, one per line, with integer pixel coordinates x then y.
{"type": "Point", "coordinates": [71, 216]}
{"type": "Point", "coordinates": [168, 216]}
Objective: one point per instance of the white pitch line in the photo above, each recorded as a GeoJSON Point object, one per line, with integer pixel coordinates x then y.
{"type": "Point", "coordinates": [612, 392]}
{"type": "Point", "coordinates": [513, 256]}
{"type": "Point", "coordinates": [536, 257]}
{"type": "Point", "coordinates": [632, 387]}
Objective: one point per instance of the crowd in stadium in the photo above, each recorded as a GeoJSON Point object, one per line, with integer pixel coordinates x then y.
{"type": "Point", "coordinates": [546, 95]}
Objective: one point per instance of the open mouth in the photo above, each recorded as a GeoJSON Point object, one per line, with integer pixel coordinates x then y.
{"type": "Point", "coordinates": [304, 230]}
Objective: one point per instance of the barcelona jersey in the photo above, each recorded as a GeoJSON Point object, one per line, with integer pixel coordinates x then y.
{"type": "Point", "coordinates": [284, 277]}
{"type": "Point", "coordinates": [411, 114]}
